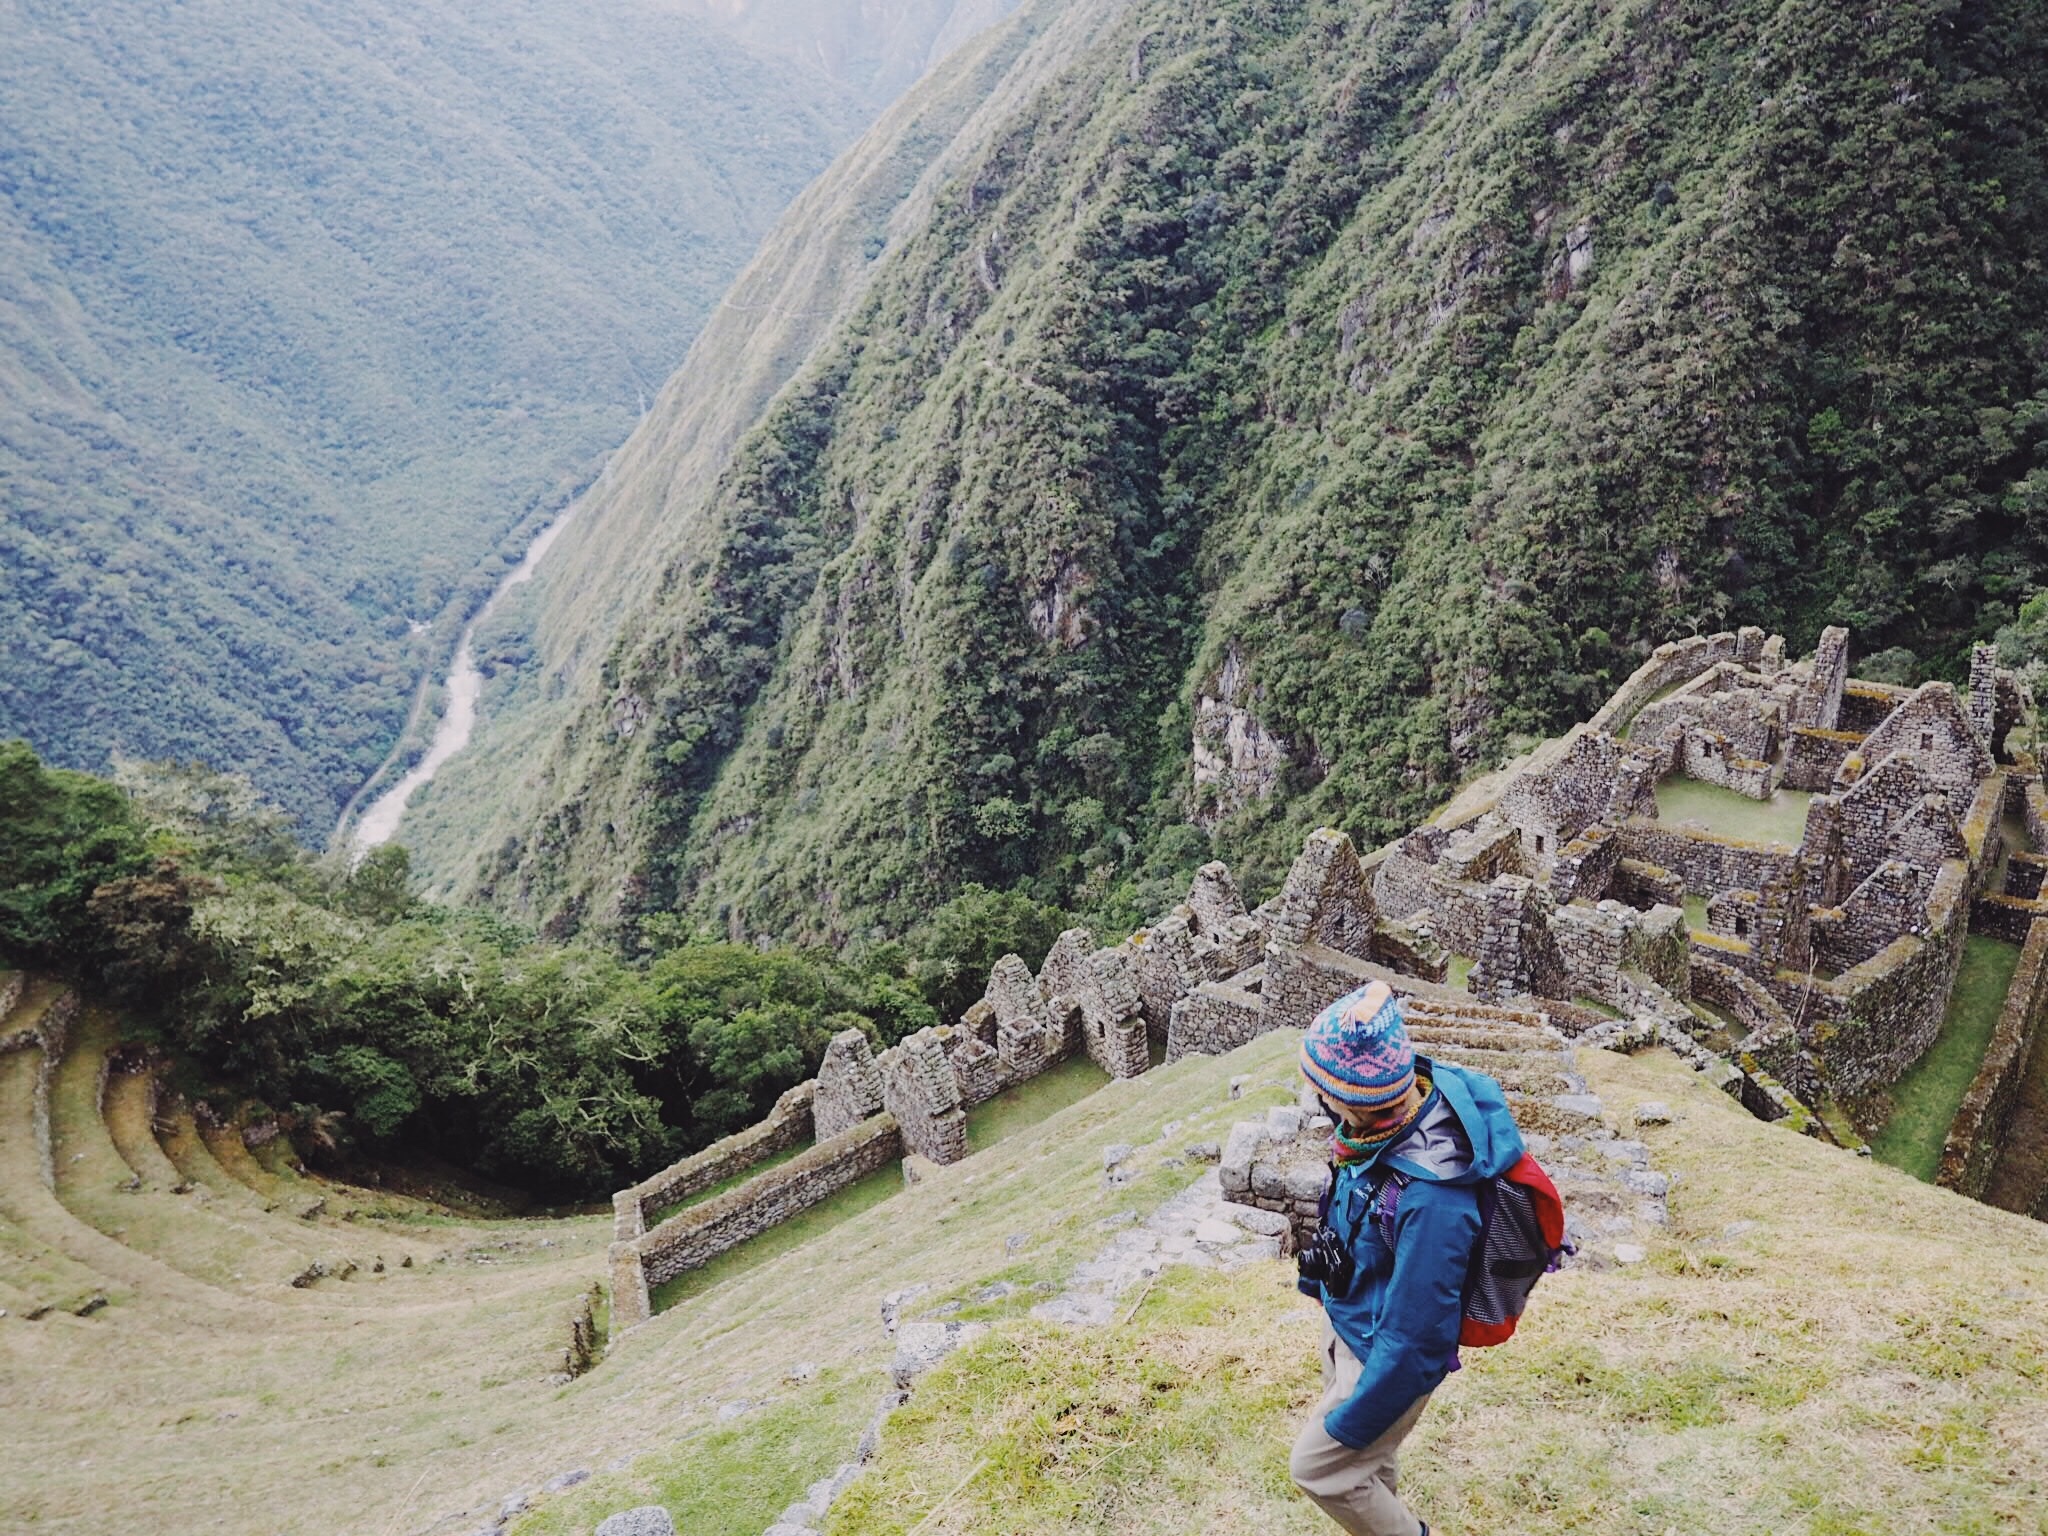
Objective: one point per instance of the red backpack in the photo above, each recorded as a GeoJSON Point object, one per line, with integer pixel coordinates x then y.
{"type": "Point", "coordinates": [1521, 1239]}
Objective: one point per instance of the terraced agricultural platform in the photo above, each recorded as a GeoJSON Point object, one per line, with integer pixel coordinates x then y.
{"type": "Point", "coordinates": [199, 1336]}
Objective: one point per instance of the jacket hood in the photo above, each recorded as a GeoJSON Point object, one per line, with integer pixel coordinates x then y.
{"type": "Point", "coordinates": [1464, 1134]}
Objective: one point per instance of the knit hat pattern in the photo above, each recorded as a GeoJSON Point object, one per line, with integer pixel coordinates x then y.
{"type": "Point", "coordinates": [1357, 1052]}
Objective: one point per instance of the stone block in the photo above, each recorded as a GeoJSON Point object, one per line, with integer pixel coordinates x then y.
{"type": "Point", "coordinates": [647, 1520]}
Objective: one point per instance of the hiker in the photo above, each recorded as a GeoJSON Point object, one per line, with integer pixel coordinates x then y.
{"type": "Point", "coordinates": [1428, 1134]}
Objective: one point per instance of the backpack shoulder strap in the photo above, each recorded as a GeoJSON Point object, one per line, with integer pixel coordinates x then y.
{"type": "Point", "coordinates": [1387, 1203]}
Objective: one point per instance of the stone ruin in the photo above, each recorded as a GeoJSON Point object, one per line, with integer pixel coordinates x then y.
{"type": "Point", "coordinates": [1822, 971]}
{"type": "Point", "coordinates": [1205, 978]}
{"type": "Point", "coordinates": [1834, 954]}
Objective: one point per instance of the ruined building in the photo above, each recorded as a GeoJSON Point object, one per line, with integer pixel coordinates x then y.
{"type": "Point", "coordinates": [1817, 956]}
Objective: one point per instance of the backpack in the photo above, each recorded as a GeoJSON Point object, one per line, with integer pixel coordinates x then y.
{"type": "Point", "coordinates": [1521, 1239]}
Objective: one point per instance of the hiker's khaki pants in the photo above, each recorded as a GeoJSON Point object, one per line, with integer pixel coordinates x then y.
{"type": "Point", "coordinates": [1354, 1488]}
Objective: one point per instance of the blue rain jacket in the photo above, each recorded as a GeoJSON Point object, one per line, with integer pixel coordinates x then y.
{"type": "Point", "coordinates": [1401, 1313]}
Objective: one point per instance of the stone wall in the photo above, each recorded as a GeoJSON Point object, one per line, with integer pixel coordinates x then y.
{"type": "Point", "coordinates": [1977, 1134]}
{"type": "Point", "coordinates": [1591, 943]}
{"type": "Point", "coordinates": [921, 1092]}
{"type": "Point", "coordinates": [1726, 987]}
{"type": "Point", "coordinates": [1705, 861]}
{"type": "Point", "coordinates": [1585, 866]}
{"type": "Point", "coordinates": [698, 1234]}
{"type": "Point", "coordinates": [1868, 1025]}
{"type": "Point", "coordinates": [2024, 873]}
{"type": "Point", "coordinates": [1813, 757]}
{"type": "Point", "coordinates": [1713, 758]}
{"type": "Point", "coordinates": [787, 1125]}
{"type": "Point", "coordinates": [1326, 900]}
{"type": "Point", "coordinates": [2005, 917]}
{"type": "Point", "coordinates": [1597, 779]}
{"type": "Point", "coordinates": [1820, 698]}
{"type": "Point", "coordinates": [1517, 953]}
{"type": "Point", "coordinates": [1644, 885]}
{"type": "Point", "coordinates": [1214, 1018]}
{"type": "Point", "coordinates": [849, 1086]}
{"type": "Point", "coordinates": [1934, 725]}
{"type": "Point", "coordinates": [1864, 705]}
{"type": "Point", "coordinates": [1668, 665]}
{"type": "Point", "coordinates": [1167, 967]}
{"type": "Point", "coordinates": [11, 987]}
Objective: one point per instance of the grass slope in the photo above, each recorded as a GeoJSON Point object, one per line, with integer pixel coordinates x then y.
{"type": "Point", "coordinates": [1868, 1356]}
{"type": "Point", "coordinates": [1817, 1346]}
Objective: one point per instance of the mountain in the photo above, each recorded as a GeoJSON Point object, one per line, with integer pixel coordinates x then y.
{"type": "Point", "coordinates": [881, 47]}
{"type": "Point", "coordinates": [545, 651]}
{"type": "Point", "coordinates": [309, 313]}
{"type": "Point", "coordinates": [1277, 410]}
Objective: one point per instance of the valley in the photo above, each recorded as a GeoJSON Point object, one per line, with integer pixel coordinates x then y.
{"type": "Point", "coordinates": [708, 692]}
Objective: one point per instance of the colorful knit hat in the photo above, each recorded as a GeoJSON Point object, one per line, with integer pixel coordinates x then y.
{"type": "Point", "coordinates": [1357, 1051]}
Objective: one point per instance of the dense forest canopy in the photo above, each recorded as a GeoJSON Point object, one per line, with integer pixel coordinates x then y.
{"type": "Point", "coordinates": [1345, 391]}
{"type": "Point", "coordinates": [390, 1026]}
{"type": "Point", "coordinates": [310, 312]}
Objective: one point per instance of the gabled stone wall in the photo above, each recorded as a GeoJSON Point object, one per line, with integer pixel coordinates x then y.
{"type": "Point", "coordinates": [1934, 726]}
{"type": "Point", "coordinates": [849, 1085]}
{"type": "Point", "coordinates": [921, 1091]}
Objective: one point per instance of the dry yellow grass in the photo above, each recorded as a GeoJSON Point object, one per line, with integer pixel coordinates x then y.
{"type": "Point", "coordinates": [416, 1399]}
{"type": "Point", "coordinates": [1869, 1357]}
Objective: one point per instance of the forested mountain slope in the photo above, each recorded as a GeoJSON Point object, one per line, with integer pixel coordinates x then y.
{"type": "Point", "coordinates": [543, 650]}
{"type": "Point", "coordinates": [310, 311]}
{"type": "Point", "coordinates": [1341, 389]}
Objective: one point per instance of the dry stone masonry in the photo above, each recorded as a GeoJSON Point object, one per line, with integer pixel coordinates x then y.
{"type": "Point", "coordinates": [1821, 970]}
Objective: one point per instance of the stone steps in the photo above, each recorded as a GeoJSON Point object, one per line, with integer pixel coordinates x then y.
{"type": "Point", "coordinates": [1610, 1192]}
{"type": "Point", "coordinates": [1434, 1038]}
{"type": "Point", "coordinates": [32, 1208]}
{"type": "Point", "coordinates": [102, 1189]}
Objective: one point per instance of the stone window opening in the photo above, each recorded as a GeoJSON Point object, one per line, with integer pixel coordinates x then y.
{"type": "Point", "coordinates": [1539, 842]}
{"type": "Point", "coordinates": [1927, 741]}
{"type": "Point", "coordinates": [1741, 926]}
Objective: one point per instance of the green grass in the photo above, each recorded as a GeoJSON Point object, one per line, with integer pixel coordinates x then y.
{"type": "Point", "coordinates": [730, 1181]}
{"type": "Point", "coordinates": [794, 1233]}
{"type": "Point", "coordinates": [1839, 1367]}
{"type": "Point", "coordinates": [1696, 912]}
{"type": "Point", "coordinates": [1926, 1098]}
{"type": "Point", "coordinates": [1461, 968]}
{"type": "Point", "coordinates": [1030, 1102]}
{"type": "Point", "coordinates": [1780, 819]}
{"type": "Point", "coordinates": [735, 1478]}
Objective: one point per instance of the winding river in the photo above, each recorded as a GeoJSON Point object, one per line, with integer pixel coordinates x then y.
{"type": "Point", "coordinates": [379, 824]}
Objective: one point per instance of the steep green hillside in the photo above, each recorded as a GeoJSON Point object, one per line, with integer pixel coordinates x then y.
{"type": "Point", "coordinates": [1388, 375]}
{"type": "Point", "coordinates": [543, 651]}
{"type": "Point", "coordinates": [308, 312]}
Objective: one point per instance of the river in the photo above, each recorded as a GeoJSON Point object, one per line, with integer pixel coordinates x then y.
{"type": "Point", "coordinates": [464, 685]}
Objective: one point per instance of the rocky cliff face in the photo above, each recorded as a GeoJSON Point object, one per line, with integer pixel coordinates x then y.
{"type": "Point", "coordinates": [1411, 366]}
